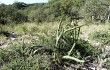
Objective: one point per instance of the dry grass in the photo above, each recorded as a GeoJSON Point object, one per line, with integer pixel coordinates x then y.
{"type": "Point", "coordinates": [92, 28]}
{"type": "Point", "coordinates": [87, 30]}
{"type": "Point", "coordinates": [2, 38]}
{"type": "Point", "coordinates": [31, 28]}
{"type": "Point", "coordinates": [49, 28]}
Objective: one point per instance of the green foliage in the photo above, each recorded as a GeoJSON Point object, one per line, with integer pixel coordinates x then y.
{"type": "Point", "coordinates": [37, 15]}
{"type": "Point", "coordinates": [62, 41]}
{"type": "Point", "coordinates": [19, 17]}
{"type": "Point", "coordinates": [92, 10]}
{"type": "Point", "coordinates": [101, 36]}
{"type": "Point", "coordinates": [49, 49]}
{"type": "Point", "coordinates": [20, 58]}
{"type": "Point", "coordinates": [96, 10]}
{"type": "Point", "coordinates": [19, 5]}
{"type": "Point", "coordinates": [9, 14]}
{"type": "Point", "coordinates": [88, 49]}
{"type": "Point", "coordinates": [107, 64]}
{"type": "Point", "coordinates": [67, 40]}
{"type": "Point", "coordinates": [5, 33]}
{"type": "Point", "coordinates": [5, 13]}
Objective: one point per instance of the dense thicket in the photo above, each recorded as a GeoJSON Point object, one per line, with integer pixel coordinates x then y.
{"type": "Point", "coordinates": [91, 10]}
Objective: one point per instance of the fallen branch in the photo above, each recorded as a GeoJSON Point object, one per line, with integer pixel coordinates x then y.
{"type": "Point", "coordinates": [72, 58]}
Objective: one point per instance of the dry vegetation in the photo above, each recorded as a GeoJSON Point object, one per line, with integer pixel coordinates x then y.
{"type": "Point", "coordinates": [44, 35]}
{"type": "Point", "coordinates": [58, 35]}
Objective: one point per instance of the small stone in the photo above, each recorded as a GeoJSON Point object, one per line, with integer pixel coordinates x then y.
{"type": "Point", "coordinates": [92, 68]}
{"type": "Point", "coordinates": [88, 59]}
{"type": "Point", "coordinates": [103, 69]}
{"type": "Point", "coordinates": [14, 35]}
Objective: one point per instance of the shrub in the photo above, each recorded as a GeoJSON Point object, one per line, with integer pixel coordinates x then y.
{"type": "Point", "coordinates": [101, 36]}
{"type": "Point", "coordinates": [61, 42]}
{"type": "Point", "coordinates": [49, 49]}
{"type": "Point", "coordinates": [20, 58]}
{"type": "Point", "coordinates": [19, 17]}
{"type": "Point", "coordinates": [107, 64]}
